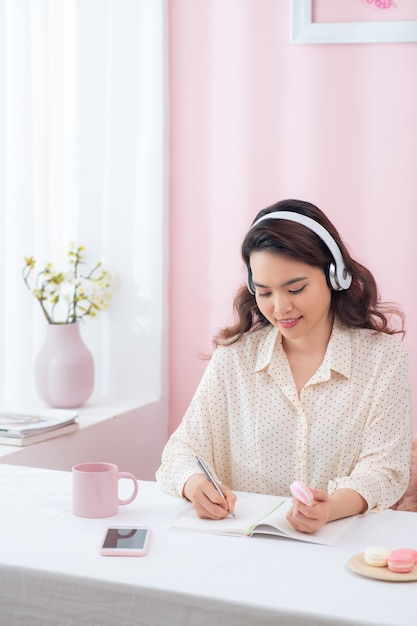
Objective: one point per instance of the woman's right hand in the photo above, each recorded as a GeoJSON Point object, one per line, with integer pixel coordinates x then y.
{"type": "Point", "coordinates": [205, 498]}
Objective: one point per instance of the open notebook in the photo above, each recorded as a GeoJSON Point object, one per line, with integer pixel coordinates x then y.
{"type": "Point", "coordinates": [261, 514]}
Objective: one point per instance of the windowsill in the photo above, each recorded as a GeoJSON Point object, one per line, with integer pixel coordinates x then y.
{"type": "Point", "coordinates": [91, 414]}
{"type": "Point", "coordinates": [101, 410]}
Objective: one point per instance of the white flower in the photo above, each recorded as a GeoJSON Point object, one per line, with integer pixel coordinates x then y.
{"type": "Point", "coordinates": [67, 297]}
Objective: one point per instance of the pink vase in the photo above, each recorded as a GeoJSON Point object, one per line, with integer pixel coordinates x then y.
{"type": "Point", "coordinates": [64, 368]}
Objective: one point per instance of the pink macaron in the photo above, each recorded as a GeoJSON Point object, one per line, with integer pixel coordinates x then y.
{"type": "Point", "coordinates": [402, 560]}
{"type": "Point", "coordinates": [301, 492]}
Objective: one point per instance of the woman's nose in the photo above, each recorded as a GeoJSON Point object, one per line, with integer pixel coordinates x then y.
{"type": "Point", "coordinates": [282, 304]}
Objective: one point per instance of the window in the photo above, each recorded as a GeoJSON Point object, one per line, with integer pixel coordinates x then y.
{"type": "Point", "coordinates": [82, 159]}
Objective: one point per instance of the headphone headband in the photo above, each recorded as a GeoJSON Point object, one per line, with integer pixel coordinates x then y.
{"type": "Point", "coordinates": [339, 277]}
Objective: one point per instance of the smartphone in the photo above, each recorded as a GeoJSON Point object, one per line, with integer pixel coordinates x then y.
{"type": "Point", "coordinates": [125, 541]}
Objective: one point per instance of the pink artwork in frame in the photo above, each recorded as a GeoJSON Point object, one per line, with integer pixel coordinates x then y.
{"type": "Point", "coordinates": [355, 21]}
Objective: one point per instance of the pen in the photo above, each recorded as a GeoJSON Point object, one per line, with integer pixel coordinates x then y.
{"type": "Point", "coordinates": [211, 479]}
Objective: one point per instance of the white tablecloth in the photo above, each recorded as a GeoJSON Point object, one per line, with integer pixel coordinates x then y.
{"type": "Point", "coordinates": [51, 572]}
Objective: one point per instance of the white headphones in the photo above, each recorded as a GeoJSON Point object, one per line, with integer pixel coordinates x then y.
{"type": "Point", "coordinates": [338, 276]}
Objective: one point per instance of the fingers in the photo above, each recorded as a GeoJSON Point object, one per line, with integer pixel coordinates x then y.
{"type": "Point", "coordinates": [210, 504]}
{"type": "Point", "coordinates": [319, 495]}
{"type": "Point", "coordinates": [207, 501]}
{"type": "Point", "coordinates": [230, 498]}
{"type": "Point", "coordinates": [310, 518]}
{"type": "Point", "coordinates": [301, 522]}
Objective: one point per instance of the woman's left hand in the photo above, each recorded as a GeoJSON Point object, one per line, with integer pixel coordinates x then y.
{"type": "Point", "coordinates": [307, 518]}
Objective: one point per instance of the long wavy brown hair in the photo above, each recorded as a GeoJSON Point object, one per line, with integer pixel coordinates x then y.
{"type": "Point", "coordinates": [359, 306]}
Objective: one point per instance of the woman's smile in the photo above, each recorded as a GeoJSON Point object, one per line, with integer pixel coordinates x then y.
{"type": "Point", "coordinates": [289, 322]}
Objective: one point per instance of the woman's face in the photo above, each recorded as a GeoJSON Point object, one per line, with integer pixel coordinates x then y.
{"type": "Point", "coordinates": [292, 295]}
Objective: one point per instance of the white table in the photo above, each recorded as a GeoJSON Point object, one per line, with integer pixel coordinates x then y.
{"type": "Point", "coordinates": [51, 573]}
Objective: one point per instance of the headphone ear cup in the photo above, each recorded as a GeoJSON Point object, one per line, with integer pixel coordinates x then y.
{"type": "Point", "coordinates": [332, 278]}
{"type": "Point", "coordinates": [249, 282]}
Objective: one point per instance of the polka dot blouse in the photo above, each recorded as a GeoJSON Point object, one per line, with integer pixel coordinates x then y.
{"type": "Point", "coordinates": [350, 427]}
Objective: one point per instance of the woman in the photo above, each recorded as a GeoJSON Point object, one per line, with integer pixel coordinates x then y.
{"type": "Point", "coordinates": [309, 384]}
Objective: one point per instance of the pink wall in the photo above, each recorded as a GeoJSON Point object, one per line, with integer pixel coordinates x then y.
{"type": "Point", "coordinates": [255, 119]}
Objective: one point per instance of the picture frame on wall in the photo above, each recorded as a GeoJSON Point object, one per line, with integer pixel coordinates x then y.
{"type": "Point", "coordinates": [304, 30]}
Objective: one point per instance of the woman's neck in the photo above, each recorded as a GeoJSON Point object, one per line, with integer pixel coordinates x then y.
{"type": "Point", "coordinates": [306, 354]}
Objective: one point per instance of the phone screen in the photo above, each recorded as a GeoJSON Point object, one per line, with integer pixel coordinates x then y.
{"type": "Point", "coordinates": [125, 538]}
{"type": "Point", "coordinates": [125, 541]}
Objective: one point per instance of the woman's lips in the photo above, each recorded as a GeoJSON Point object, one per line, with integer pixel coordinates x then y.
{"type": "Point", "coordinates": [289, 322]}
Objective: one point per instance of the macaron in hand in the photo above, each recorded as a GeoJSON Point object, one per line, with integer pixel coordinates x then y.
{"type": "Point", "coordinates": [301, 492]}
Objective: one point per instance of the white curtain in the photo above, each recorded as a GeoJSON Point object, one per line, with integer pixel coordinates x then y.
{"type": "Point", "coordinates": [82, 159]}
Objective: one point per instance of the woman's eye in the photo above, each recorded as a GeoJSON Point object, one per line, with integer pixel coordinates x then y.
{"type": "Point", "coordinates": [264, 295]}
{"type": "Point", "coordinates": [295, 291]}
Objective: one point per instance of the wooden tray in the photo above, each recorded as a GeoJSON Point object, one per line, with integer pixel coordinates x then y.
{"type": "Point", "coordinates": [357, 564]}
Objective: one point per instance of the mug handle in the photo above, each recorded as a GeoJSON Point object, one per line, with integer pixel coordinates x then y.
{"type": "Point", "coordinates": [135, 488]}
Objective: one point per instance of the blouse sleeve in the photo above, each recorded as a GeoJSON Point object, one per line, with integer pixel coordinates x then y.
{"type": "Point", "coordinates": [192, 437]}
{"type": "Point", "coordinates": [381, 472]}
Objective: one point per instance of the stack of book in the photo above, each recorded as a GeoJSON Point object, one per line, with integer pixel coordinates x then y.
{"type": "Point", "coordinates": [23, 427]}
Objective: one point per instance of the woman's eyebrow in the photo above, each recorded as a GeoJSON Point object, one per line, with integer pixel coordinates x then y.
{"type": "Point", "coordinates": [297, 279]}
{"type": "Point", "coordinates": [294, 280]}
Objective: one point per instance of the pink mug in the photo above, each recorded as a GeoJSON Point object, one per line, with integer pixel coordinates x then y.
{"type": "Point", "coordinates": [96, 489]}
